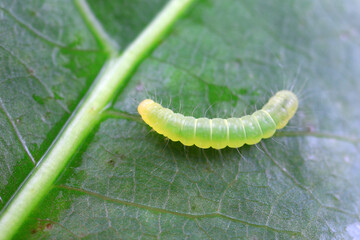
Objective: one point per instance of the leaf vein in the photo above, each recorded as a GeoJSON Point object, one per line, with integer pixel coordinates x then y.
{"type": "Point", "coordinates": [40, 35]}
{"type": "Point", "coordinates": [109, 45]}
{"type": "Point", "coordinates": [17, 132]}
{"type": "Point", "coordinates": [33, 75]}
{"type": "Point", "coordinates": [161, 210]}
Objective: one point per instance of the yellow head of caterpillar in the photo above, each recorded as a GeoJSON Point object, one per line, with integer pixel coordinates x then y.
{"type": "Point", "coordinates": [144, 107]}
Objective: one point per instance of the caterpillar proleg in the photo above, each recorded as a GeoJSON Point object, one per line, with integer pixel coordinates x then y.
{"type": "Point", "coordinates": [219, 133]}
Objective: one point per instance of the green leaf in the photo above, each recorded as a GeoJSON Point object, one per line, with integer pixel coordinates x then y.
{"type": "Point", "coordinates": [221, 59]}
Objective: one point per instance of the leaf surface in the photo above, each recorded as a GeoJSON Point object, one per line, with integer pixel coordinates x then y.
{"type": "Point", "coordinates": [223, 58]}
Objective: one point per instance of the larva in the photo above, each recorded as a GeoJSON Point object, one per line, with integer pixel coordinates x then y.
{"type": "Point", "coordinates": [219, 133]}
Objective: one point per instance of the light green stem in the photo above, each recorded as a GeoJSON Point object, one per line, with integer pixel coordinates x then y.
{"type": "Point", "coordinates": [81, 123]}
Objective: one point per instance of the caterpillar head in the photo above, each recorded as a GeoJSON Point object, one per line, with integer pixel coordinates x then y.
{"type": "Point", "coordinates": [144, 108]}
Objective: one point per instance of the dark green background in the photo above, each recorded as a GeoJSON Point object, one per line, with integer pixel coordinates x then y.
{"type": "Point", "coordinates": [221, 59]}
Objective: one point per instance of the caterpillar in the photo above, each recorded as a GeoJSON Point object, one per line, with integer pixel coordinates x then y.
{"type": "Point", "coordinates": [219, 133]}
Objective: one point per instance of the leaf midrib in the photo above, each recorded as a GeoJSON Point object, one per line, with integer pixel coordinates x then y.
{"type": "Point", "coordinates": [113, 76]}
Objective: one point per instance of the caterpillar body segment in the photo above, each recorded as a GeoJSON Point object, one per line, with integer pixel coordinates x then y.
{"type": "Point", "coordinates": [219, 133]}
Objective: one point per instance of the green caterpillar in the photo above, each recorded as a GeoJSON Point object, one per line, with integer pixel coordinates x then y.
{"type": "Point", "coordinates": [219, 133]}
